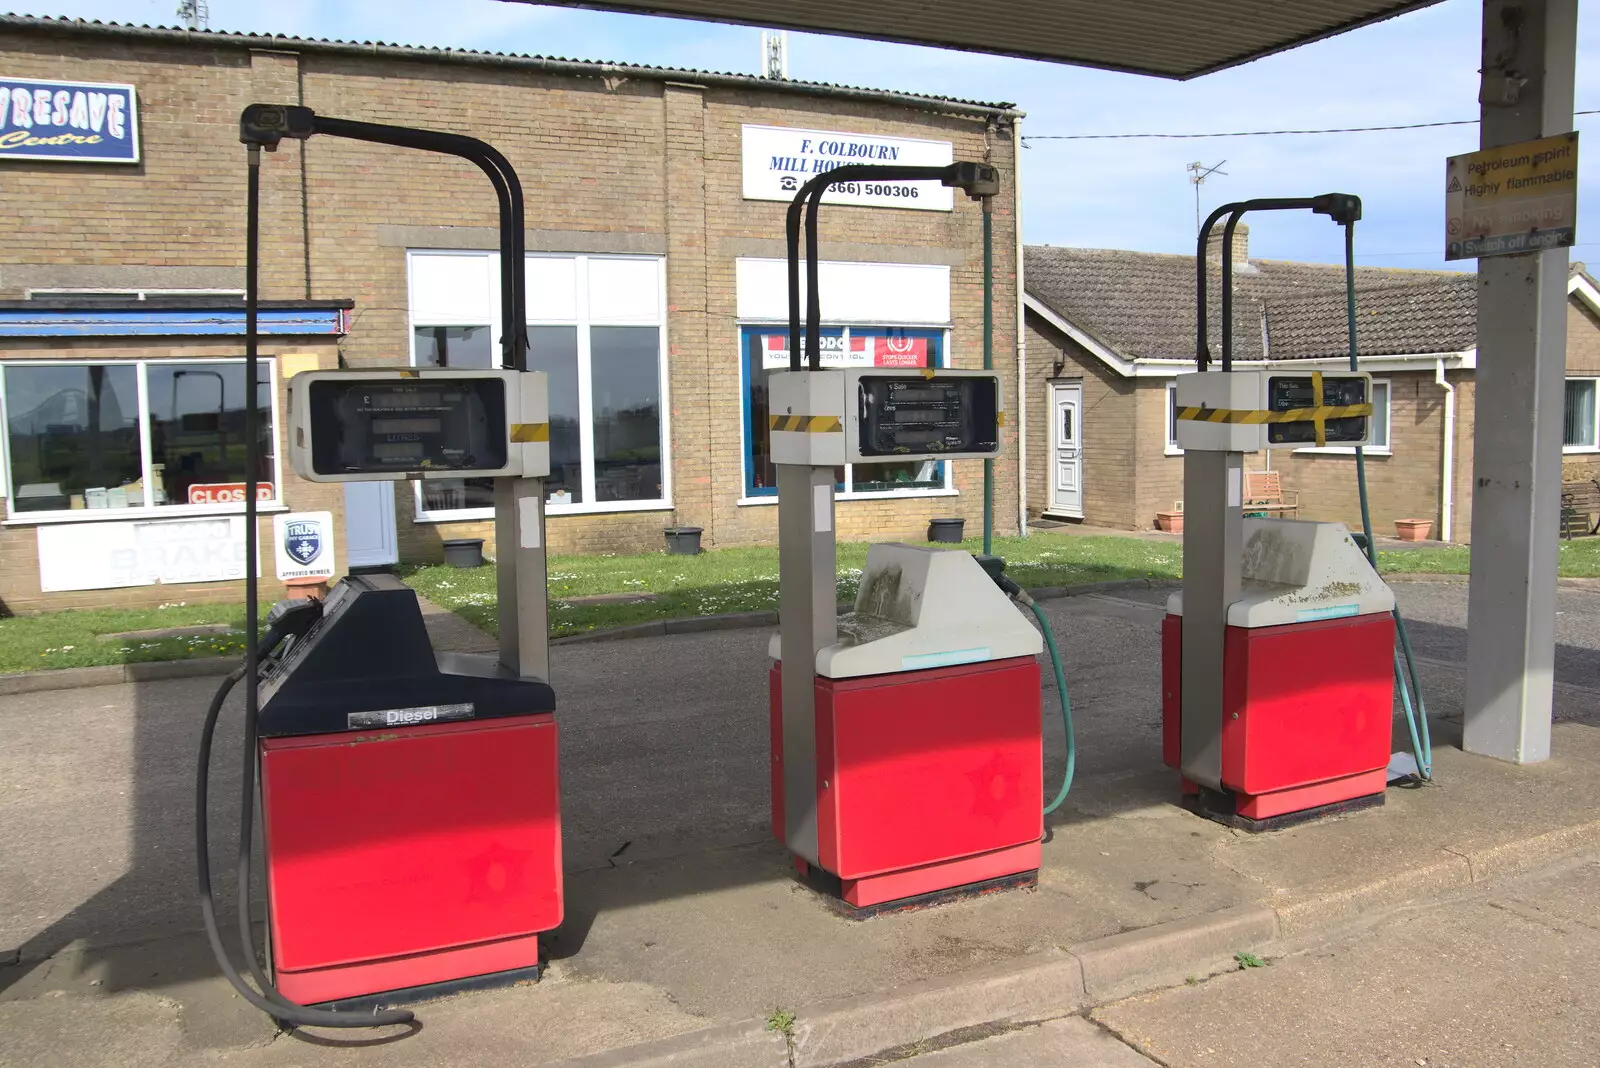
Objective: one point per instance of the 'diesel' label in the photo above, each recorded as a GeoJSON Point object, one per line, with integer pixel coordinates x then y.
{"type": "Point", "coordinates": [407, 717]}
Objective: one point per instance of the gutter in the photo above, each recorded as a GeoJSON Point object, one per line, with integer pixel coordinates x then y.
{"type": "Point", "coordinates": [1448, 453]}
{"type": "Point", "coordinates": [542, 64]}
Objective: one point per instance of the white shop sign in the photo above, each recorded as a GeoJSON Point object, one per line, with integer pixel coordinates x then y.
{"type": "Point", "coordinates": [304, 545]}
{"type": "Point", "coordinates": [778, 160]}
{"type": "Point", "coordinates": [111, 555]}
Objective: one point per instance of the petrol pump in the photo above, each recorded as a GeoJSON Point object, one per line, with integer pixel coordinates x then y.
{"type": "Point", "coordinates": [411, 822]}
{"type": "Point", "coordinates": [906, 737]}
{"type": "Point", "coordinates": [1278, 655]}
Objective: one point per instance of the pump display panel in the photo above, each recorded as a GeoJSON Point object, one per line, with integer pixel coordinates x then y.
{"type": "Point", "coordinates": [913, 414]}
{"type": "Point", "coordinates": [1297, 392]}
{"type": "Point", "coordinates": [376, 427]}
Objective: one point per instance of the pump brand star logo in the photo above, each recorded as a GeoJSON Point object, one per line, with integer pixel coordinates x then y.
{"type": "Point", "coordinates": [996, 788]}
{"type": "Point", "coordinates": [497, 873]}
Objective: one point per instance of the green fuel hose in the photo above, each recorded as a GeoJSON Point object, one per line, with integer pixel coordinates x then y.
{"type": "Point", "coordinates": [1417, 715]}
{"type": "Point", "coordinates": [1066, 707]}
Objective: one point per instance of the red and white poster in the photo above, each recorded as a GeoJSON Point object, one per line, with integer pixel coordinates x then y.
{"type": "Point", "coordinates": [227, 492]}
{"type": "Point", "coordinates": [862, 351]}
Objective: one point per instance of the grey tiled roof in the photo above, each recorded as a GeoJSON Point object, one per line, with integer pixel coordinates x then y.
{"type": "Point", "coordinates": [1142, 305]}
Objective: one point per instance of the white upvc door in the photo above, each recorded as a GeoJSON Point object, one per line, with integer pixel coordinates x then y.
{"type": "Point", "coordinates": [1066, 456]}
{"type": "Point", "coordinates": [369, 534]}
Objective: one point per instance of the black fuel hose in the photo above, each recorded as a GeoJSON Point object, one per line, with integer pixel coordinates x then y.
{"type": "Point", "coordinates": [268, 1000]}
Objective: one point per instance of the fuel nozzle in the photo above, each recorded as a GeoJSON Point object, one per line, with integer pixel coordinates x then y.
{"type": "Point", "coordinates": [996, 568]}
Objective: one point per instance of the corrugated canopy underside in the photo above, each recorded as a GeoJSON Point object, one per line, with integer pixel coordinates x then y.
{"type": "Point", "coordinates": [1170, 38]}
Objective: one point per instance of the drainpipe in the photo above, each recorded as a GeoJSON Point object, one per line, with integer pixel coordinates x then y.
{"type": "Point", "coordinates": [1024, 387]}
{"type": "Point", "coordinates": [1448, 456]}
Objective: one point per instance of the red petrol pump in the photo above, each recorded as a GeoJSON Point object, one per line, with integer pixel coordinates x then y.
{"type": "Point", "coordinates": [410, 799]}
{"type": "Point", "coordinates": [1278, 656]}
{"type": "Point", "coordinates": [906, 736]}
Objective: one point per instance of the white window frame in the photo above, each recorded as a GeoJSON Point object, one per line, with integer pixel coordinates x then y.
{"type": "Point", "coordinates": [1169, 418]}
{"type": "Point", "coordinates": [949, 489]}
{"type": "Point", "coordinates": [1370, 450]}
{"type": "Point", "coordinates": [582, 321]}
{"type": "Point", "coordinates": [148, 510]}
{"type": "Point", "coordinates": [136, 293]}
{"type": "Point", "coordinates": [1582, 450]}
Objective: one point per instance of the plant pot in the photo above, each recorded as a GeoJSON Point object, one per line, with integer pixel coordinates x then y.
{"type": "Point", "coordinates": [1171, 522]}
{"type": "Point", "coordinates": [946, 530]}
{"type": "Point", "coordinates": [1413, 529]}
{"type": "Point", "coordinates": [463, 552]}
{"type": "Point", "coordinates": [683, 541]}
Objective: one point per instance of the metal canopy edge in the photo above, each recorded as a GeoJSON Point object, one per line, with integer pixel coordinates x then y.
{"type": "Point", "coordinates": [1167, 38]}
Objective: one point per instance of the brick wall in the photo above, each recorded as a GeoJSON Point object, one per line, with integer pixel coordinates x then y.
{"type": "Point", "coordinates": [597, 155]}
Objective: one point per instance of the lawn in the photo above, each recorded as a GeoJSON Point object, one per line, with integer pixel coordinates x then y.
{"type": "Point", "coordinates": [75, 638]}
{"type": "Point", "coordinates": [746, 579]}
{"type": "Point", "coordinates": [723, 580]}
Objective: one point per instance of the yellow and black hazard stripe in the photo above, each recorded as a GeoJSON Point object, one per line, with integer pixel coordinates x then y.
{"type": "Point", "coordinates": [1319, 414]}
{"type": "Point", "coordinates": [525, 432]}
{"type": "Point", "coordinates": [806, 424]}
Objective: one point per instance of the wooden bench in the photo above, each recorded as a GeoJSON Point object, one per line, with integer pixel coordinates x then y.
{"type": "Point", "coordinates": [1580, 508]}
{"type": "Point", "coordinates": [1263, 494]}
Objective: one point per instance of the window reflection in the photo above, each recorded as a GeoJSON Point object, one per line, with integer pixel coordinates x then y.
{"type": "Point", "coordinates": [625, 386]}
{"type": "Point", "coordinates": [73, 437]}
{"type": "Point", "coordinates": [554, 350]}
{"type": "Point", "coordinates": [197, 433]}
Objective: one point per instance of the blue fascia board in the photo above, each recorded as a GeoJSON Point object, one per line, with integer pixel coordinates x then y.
{"type": "Point", "coordinates": [167, 322]}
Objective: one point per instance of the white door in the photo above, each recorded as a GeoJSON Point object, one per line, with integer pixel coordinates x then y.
{"type": "Point", "coordinates": [369, 535]}
{"type": "Point", "coordinates": [1066, 456]}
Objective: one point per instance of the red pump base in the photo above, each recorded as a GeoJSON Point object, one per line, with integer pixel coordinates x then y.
{"type": "Point", "coordinates": [927, 782]}
{"type": "Point", "coordinates": [411, 856]}
{"type": "Point", "coordinates": [1308, 711]}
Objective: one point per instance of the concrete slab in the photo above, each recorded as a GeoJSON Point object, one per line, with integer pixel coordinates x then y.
{"type": "Point", "coordinates": [1497, 980]}
{"type": "Point", "coordinates": [1072, 1041]}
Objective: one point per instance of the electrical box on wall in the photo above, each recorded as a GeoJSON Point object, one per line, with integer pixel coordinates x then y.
{"type": "Point", "coordinates": [1247, 411]}
{"type": "Point", "coordinates": [829, 418]}
{"type": "Point", "coordinates": [353, 426]}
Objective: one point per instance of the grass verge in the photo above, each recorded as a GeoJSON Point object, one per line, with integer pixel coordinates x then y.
{"type": "Point", "coordinates": [76, 638]}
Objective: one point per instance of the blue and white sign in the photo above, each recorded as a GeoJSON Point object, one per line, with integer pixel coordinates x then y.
{"type": "Point", "coordinates": [779, 159]}
{"type": "Point", "coordinates": [305, 545]}
{"type": "Point", "coordinates": [81, 122]}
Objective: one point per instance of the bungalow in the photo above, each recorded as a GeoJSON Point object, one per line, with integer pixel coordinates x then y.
{"type": "Point", "coordinates": [1108, 331]}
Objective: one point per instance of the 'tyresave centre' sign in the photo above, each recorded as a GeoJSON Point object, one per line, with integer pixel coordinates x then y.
{"type": "Point", "coordinates": [82, 122]}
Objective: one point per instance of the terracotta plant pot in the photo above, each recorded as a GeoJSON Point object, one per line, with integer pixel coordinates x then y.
{"type": "Point", "coordinates": [1413, 529]}
{"type": "Point", "coordinates": [1171, 522]}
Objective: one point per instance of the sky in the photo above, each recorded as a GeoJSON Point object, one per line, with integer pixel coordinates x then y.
{"type": "Point", "coordinates": [1131, 194]}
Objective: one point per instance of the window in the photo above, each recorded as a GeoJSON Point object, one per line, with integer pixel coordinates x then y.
{"type": "Point", "coordinates": [83, 439]}
{"type": "Point", "coordinates": [766, 348]}
{"type": "Point", "coordinates": [1380, 426]}
{"type": "Point", "coordinates": [596, 327]}
{"type": "Point", "coordinates": [1172, 420]}
{"type": "Point", "coordinates": [1578, 425]}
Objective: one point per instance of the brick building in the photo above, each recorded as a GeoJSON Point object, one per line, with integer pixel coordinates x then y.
{"type": "Point", "coordinates": [1108, 331]}
{"type": "Point", "coordinates": [655, 199]}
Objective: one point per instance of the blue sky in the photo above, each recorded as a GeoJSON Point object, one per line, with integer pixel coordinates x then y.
{"type": "Point", "coordinates": [1133, 194]}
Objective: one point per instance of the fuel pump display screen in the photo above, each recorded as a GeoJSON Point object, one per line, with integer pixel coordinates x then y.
{"type": "Point", "coordinates": [1290, 392]}
{"type": "Point", "coordinates": [368, 426]}
{"type": "Point", "coordinates": [901, 415]}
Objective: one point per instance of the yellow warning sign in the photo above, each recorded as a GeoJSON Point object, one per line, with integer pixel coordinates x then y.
{"type": "Point", "coordinates": [1511, 199]}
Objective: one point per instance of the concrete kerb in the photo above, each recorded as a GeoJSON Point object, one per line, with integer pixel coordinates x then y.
{"type": "Point", "coordinates": [111, 674]}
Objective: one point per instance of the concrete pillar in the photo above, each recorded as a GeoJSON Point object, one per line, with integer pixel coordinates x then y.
{"type": "Point", "coordinates": [1529, 54]}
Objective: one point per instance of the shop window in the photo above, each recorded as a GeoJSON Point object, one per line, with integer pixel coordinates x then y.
{"type": "Point", "coordinates": [140, 435]}
{"type": "Point", "coordinates": [766, 349]}
{"type": "Point", "coordinates": [596, 328]}
{"type": "Point", "coordinates": [1579, 431]}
